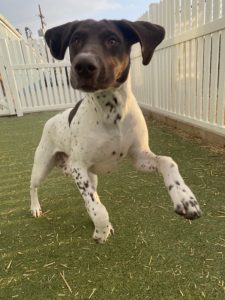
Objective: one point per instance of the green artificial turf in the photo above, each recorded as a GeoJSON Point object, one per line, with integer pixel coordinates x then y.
{"type": "Point", "coordinates": [154, 253]}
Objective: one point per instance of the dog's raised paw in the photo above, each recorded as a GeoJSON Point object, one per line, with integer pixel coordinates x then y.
{"type": "Point", "coordinates": [188, 208]}
{"type": "Point", "coordinates": [101, 234]}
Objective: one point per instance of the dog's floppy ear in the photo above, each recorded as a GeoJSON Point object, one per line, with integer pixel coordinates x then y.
{"type": "Point", "coordinates": [147, 34]}
{"type": "Point", "coordinates": [58, 38]}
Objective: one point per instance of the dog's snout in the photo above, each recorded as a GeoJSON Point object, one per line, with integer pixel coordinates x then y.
{"type": "Point", "coordinates": [86, 66]}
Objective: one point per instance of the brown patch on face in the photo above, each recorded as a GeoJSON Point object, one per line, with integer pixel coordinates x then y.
{"type": "Point", "coordinates": [119, 67]}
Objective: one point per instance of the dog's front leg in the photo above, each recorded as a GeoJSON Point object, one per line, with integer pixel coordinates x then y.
{"type": "Point", "coordinates": [183, 199]}
{"type": "Point", "coordinates": [87, 185]}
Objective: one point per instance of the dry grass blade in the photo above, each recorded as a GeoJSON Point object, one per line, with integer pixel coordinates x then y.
{"type": "Point", "coordinates": [92, 293]}
{"type": "Point", "coordinates": [66, 283]}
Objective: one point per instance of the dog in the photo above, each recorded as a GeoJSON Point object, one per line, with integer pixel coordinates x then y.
{"type": "Point", "coordinates": [107, 125]}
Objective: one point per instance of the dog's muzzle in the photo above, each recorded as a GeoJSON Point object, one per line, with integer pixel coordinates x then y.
{"type": "Point", "coordinates": [85, 72]}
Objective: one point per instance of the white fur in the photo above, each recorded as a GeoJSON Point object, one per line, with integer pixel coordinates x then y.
{"type": "Point", "coordinates": [101, 134]}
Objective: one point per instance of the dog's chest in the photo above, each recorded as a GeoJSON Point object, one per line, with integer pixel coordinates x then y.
{"type": "Point", "coordinates": [108, 152]}
{"type": "Point", "coordinates": [103, 133]}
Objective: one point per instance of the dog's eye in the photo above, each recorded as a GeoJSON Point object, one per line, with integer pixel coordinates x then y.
{"type": "Point", "coordinates": [77, 41]}
{"type": "Point", "coordinates": [112, 42]}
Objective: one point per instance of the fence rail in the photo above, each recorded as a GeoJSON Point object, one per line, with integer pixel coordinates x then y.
{"type": "Point", "coordinates": [186, 77]}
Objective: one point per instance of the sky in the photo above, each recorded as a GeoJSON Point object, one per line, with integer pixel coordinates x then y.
{"type": "Point", "coordinates": [21, 13]}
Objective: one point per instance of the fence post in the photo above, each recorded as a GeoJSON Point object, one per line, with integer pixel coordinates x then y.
{"type": "Point", "coordinates": [11, 78]}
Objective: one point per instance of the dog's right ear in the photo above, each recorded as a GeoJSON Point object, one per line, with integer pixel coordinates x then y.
{"type": "Point", "coordinates": [147, 34]}
{"type": "Point", "coordinates": [58, 38]}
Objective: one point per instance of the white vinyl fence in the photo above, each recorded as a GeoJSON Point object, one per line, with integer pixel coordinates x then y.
{"type": "Point", "coordinates": [186, 77]}
{"type": "Point", "coordinates": [31, 80]}
{"type": "Point", "coordinates": [184, 81]}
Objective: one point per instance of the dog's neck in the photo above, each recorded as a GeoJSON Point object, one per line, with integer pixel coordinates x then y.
{"type": "Point", "coordinates": [112, 103]}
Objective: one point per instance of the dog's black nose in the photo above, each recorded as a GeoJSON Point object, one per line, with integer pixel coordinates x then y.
{"type": "Point", "coordinates": [86, 66]}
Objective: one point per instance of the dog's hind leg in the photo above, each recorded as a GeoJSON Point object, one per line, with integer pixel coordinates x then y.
{"type": "Point", "coordinates": [183, 199]}
{"type": "Point", "coordinates": [44, 161]}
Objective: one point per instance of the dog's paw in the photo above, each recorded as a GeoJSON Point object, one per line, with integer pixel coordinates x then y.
{"type": "Point", "coordinates": [36, 211]}
{"type": "Point", "coordinates": [188, 208]}
{"type": "Point", "coordinates": [185, 203]}
{"type": "Point", "coordinates": [101, 234]}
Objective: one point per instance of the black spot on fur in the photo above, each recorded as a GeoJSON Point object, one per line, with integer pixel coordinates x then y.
{"type": "Point", "coordinates": [111, 106]}
{"type": "Point", "coordinates": [115, 100]}
{"type": "Point", "coordinates": [118, 117]}
{"type": "Point", "coordinates": [114, 152]}
{"type": "Point", "coordinates": [86, 184]}
{"type": "Point", "coordinates": [170, 187]}
{"type": "Point", "coordinates": [179, 210]}
{"type": "Point", "coordinates": [74, 111]}
{"type": "Point", "coordinates": [80, 186]}
{"type": "Point", "coordinates": [121, 154]}
{"type": "Point", "coordinates": [92, 197]}
{"type": "Point", "coordinates": [192, 203]}
{"type": "Point", "coordinates": [172, 165]}
{"type": "Point", "coordinates": [177, 182]}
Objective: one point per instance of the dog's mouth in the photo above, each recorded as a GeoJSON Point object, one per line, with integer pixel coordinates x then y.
{"type": "Point", "coordinates": [88, 89]}
{"type": "Point", "coordinates": [89, 85]}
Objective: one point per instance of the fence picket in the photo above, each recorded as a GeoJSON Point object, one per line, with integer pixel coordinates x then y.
{"type": "Point", "coordinates": [65, 81]}
{"type": "Point", "coordinates": [30, 87]}
{"type": "Point", "coordinates": [223, 8]}
{"type": "Point", "coordinates": [221, 89]}
{"type": "Point", "coordinates": [44, 100]}
{"type": "Point", "coordinates": [174, 61]}
{"type": "Point", "coordinates": [206, 77]}
{"type": "Point", "coordinates": [214, 76]}
{"type": "Point", "coordinates": [201, 12]}
{"type": "Point", "coordinates": [193, 78]}
{"type": "Point", "coordinates": [187, 78]}
{"type": "Point", "coordinates": [187, 8]}
{"type": "Point", "coordinates": [183, 15]}
{"type": "Point", "coordinates": [177, 17]}
{"type": "Point", "coordinates": [216, 9]}
{"type": "Point", "coordinates": [19, 75]}
{"type": "Point", "coordinates": [172, 17]}
{"type": "Point", "coordinates": [194, 14]}
{"type": "Point", "coordinates": [200, 53]}
{"type": "Point", "coordinates": [208, 11]}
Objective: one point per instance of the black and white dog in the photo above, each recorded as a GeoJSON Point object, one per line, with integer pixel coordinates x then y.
{"type": "Point", "coordinates": [107, 125]}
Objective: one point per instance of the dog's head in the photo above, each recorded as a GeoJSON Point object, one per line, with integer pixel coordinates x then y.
{"type": "Point", "coordinates": [100, 50]}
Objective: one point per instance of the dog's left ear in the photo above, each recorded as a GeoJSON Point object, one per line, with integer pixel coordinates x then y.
{"type": "Point", "coordinates": [147, 34]}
